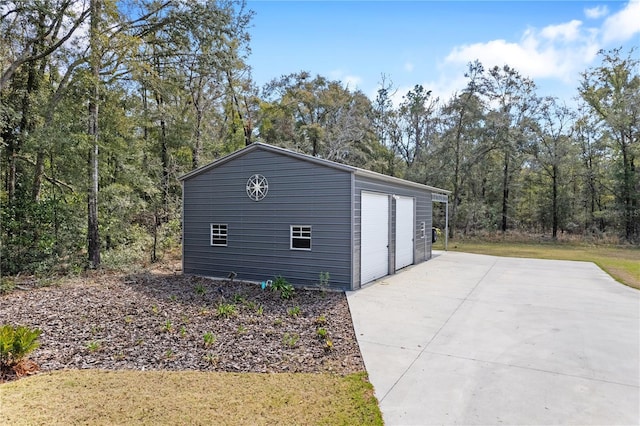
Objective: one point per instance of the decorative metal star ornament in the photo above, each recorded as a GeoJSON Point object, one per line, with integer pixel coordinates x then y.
{"type": "Point", "coordinates": [257, 187]}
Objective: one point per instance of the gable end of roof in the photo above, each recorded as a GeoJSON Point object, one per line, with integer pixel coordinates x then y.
{"type": "Point", "coordinates": [315, 160]}
{"type": "Point", "coordinates": [269, 148]}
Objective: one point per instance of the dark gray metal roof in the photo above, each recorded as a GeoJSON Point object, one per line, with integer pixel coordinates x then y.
{"type": "Point", "coordinates": [327, 163]}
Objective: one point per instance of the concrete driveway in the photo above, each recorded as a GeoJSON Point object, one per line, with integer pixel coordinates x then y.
{"type": "Point", "coordinates": [473, 339]}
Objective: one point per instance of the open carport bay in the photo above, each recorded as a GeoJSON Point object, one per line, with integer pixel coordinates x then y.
{"type": "Point", "coordinates": [473, 339]}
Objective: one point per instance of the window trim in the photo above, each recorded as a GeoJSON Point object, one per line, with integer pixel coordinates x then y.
{"type": "Point", "coordinates": [300, 230]}
{"type": "Point", "coordinates": [219, 235]}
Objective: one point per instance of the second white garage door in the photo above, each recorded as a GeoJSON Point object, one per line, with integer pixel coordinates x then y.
{"type": "Point", "coordinates": [374, 237]}
{"type": "Point", "coordinates": [405, 232]}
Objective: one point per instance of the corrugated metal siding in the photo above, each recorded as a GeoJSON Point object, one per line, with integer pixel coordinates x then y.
{"type": "Point", "coordinates": [300, 193]}
{"type": "Point", "coordinates": [423, 212]}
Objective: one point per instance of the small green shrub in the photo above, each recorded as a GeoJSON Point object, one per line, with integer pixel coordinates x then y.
{"type": "Point", "coordinates": [131, 243]}
{"type": "Point", "coordinates": [6, 285]}
{"type": "Point", "coordinates": [321, 332]}
{"type": "Point", "coordinates": [321, 320]}
{"type": "Point", "coordinates": [211, 358]}
{"type": "Point", "coordinates": [290, 339]}
{"type": "Point", "coordinates": [328, 345]}
{"type": "Point", "coordinates": [16, 342]}
{"type": "Point", "coordinates": [226, 310]}
{"type": "Point", "coordinates": [200, 290]}
{"type": "Point", "coordinates": [282, 285]}
{"type": "Point", "coordinates": [93, 346]}
{"type": "Point", "coordinates": [323, 281]}
{"type": "Point", "coordinates": [209, 339]}
{"type": "Point", "coordinates": [168, 327]}
{"type": "Point", "coordinates": [294, 312]}
{"type": "Point", "coordinates": [260, 310]}
{"type": "Point", "coordinates": [169, 236]}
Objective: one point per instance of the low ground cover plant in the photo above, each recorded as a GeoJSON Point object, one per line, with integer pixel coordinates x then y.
{"type": "Point", "coordinates": [16, 342]}
{"type": "Point", "coordinates": [283, 287]}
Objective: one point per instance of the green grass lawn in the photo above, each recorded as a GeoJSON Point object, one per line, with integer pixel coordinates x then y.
{"type": "Point", "coordinates": [623, 264]}
{"type": "Point", "coordinates": [160, 397]}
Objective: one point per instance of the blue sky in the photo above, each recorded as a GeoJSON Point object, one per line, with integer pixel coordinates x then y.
{"type": "Point", "coordinates": [431, 42]}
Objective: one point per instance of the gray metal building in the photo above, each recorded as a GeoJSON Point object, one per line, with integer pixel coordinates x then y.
{"type": "Point", "coordinates": [265, 211]}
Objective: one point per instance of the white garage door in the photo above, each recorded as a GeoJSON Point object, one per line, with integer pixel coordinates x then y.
{"type": "Point", "coordinates": [374, 237]}
{"type": "Point", "coordinates": [404, 232]}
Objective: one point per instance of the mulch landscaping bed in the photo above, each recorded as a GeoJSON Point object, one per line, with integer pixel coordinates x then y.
{"type": "Point", "coordinates": [157, 321]}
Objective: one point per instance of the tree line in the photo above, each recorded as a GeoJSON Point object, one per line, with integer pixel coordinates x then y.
{"type": "Point", "coordinates": [105, 103]}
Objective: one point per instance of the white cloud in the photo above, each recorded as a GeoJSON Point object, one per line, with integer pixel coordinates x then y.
{"type": "Point", "coordinates": [558, 51]}
{"type": "Point", "coordinates": [553, 56]}
{"type": "Point", "coordinates": [596, 12]}
{"type": "Point", "coordinates": [534, 56]}
{"type": "Point", "coordinates": [443, 88]}
{"type": "Point", "coordinates": [569, 31]}
{"type": "Point", "coordinates": [623, 25]}
{"type": "Point", "coordinates": [351, 81]}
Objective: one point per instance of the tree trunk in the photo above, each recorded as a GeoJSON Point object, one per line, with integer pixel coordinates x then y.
{"type": "Point", "coordinates": [12, 153]}
{"type": "Point", "coordinates": [56, 222]}
{"type": "Point", "coordinates": [154, 250]}
{"type": "Point", "coordinates": [93, 235]}
{"type": "Point", "coordinates": [37, 177]}
{"type": "Point", "coordinates": [505, 192]}
{"type": "Point", "coordinates": [456, 177]}
{"type": "Point", "coordinates": [35, 70]}
{"type": "Point", "coordinates": [554, 231]}
{"type": "Point", "coordinates": [36, 75]}
{"type": "Point", "coordinates": [627, 190]}
{"type": "Point", "coordinates": [164, 155]}
{"type": "Point", "coordinates": [197, 146]}
{"type": "Point", "coordinates": [456, 194]}
{"type": "Point", "coordinates": [592, 192]}
{"type": "Point", "coordinates": [634, 218]}
{"type": "Point", "coordinates": [246, 125]}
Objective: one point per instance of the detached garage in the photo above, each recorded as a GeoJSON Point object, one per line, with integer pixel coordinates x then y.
{"type": "Point", "coordinates": [265, 211]}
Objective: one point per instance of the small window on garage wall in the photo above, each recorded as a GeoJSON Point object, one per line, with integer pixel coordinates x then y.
{"type": "Point", "coordinates": [219, 234]}
{"type": "Point", "coordinates": [300, 237]}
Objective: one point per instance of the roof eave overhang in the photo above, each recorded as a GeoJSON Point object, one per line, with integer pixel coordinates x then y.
{"type": "Point", "coordinates": [398, 181]}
